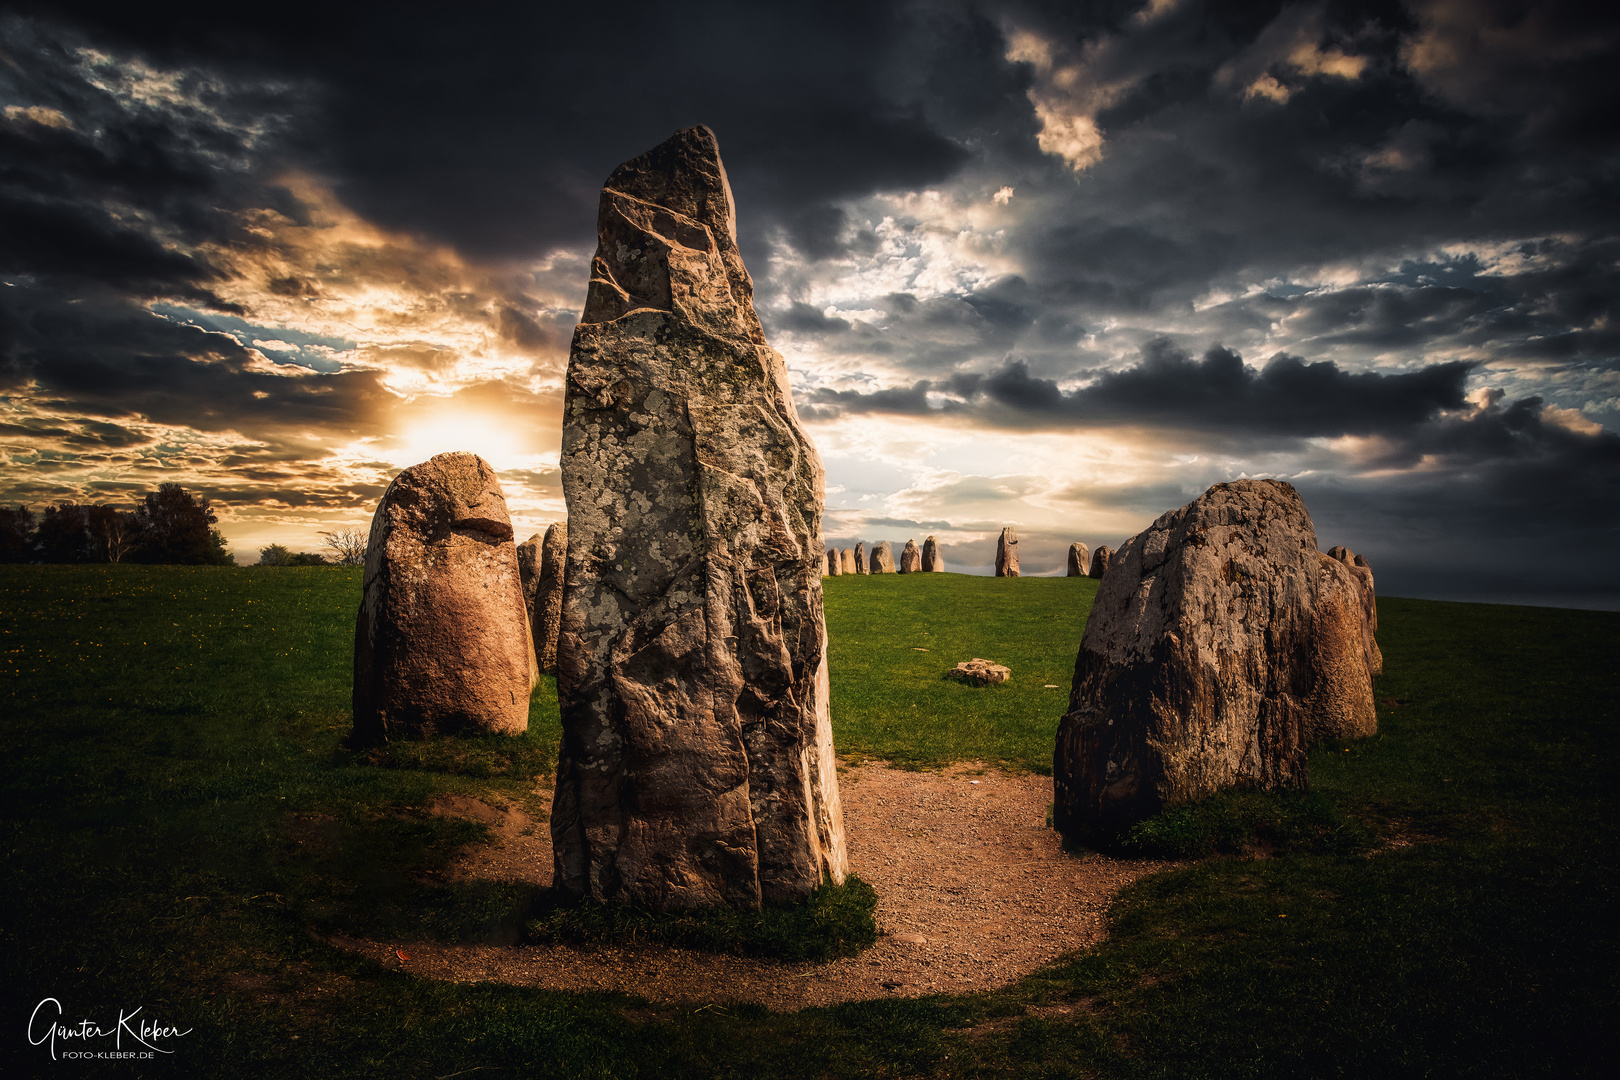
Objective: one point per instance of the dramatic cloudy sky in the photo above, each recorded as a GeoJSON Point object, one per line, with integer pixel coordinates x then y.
{"type": "Point", "coordinates": [1053, 266]}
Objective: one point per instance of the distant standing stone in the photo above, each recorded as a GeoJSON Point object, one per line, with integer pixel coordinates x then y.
{"type": "Point", "coordinates": [1079, 563]}
{"type": "Point", "coordinates": [882, 558]}
{"type": "Point", "coordinates": [1220, 642]}
{"type": "Point", "coordinates": [910, 558]}
{"type": "Point", "coordinates": [548, 595]}
{"type": "Point", "coordinates": [834, 567]}
{"type": "Point", "coordinates": [1099, 561]}
{"type": "Point", "coordinates": [980, 672]}
{"type": "Point", "coordinates": [1007, 553]}
{"type": "Point", "coordinates": [696, 767]}
{"type": "Point", "coordinates": [931, 562]}
{"type": "Point", "coordinates": [1361, 570]}
{"type": "Point", "coordinates": [846, 560]}
{"type": "Point", "coordinates": [442, 640]}
{"type": "Point", "coordinates": [528, 556]}
{"type": "Point", "coordinates": [860, 558]}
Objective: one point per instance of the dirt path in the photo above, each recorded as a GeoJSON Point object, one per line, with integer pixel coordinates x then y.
{"type": "Point", "coordinates": [974, 892]}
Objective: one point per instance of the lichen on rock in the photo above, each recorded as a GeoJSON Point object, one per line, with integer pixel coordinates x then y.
{"type": "Point", "coordinates": [696, 766]}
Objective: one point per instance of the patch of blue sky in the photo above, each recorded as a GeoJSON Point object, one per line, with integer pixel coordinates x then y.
{"type": "Point", "coordinates": [282, 344]}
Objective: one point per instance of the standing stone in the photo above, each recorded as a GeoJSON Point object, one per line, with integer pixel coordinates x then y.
{"type": "Point", "coordinates": [1099, 561]}
{"type": "Point", "coordinates": [528, 557]}
{"type": "Point", "coordinates": [1219, 643]}
{"type": "Point", "coordinates": [1007, 553]}
{"type": "Point", "coordinates": [548, 595]}
{"type": "Point", "coordinates": [696, 766]}
{"type": "Point", "coordinates": [846, 561]}
{"type": "Point", "coordinates": [931, 562]}
{"type": "Point", "coordinates": [834, 567]}
{"type": "Point", "coordinates": [442, 640]}
{"type": "Point", "coordinates": [882, 558]}
{"type": "Point", "coordinates": [860, 558]}
{"type": "Point", "coordinates": [1361, 570]}
{"type": "Point", "coordinates": [1079, 563]}
{"type": "Point", "coordinates": [910, 558]}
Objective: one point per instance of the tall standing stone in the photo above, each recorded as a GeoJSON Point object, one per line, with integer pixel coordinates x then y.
{"type": "Point", "coordinates": [846, 561]}
{"type": "Point", "coordinates": [528, 559]}
{"type": "Point", "coordinates": [1079, 561]}
{"type": "Point", "coordinates": [860, 557]}
{"type": "Point", "coordinates": [1099, 561]}
{"type": "Point", "coordinates": [696, 766]}
{"type": "Point", "coordinates": [834, 566]}
{"type": "Point", "coordinates": [548, 595]}
{"type": "Point", "coordinates": [442, 640]}
{"type": "Point", "coordinates": [882, 561]}
{"type": "Point", "coordinates": [1219, 644]}
{"type": "Point", "coordinates": [1361, 570]}
{"type": "Point", "coordinates": [931, 562]}
{"type": "Point", "coordinates": [910, 558]}
{"type": "Point", "coordinates": [1007, 553]}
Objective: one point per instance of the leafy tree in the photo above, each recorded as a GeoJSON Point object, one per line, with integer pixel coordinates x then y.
{"type": "Point", "coordinates": [174, 526]}
{"type": "Point", "coordinates": [114, 533]}
{"type": "Point", "coordinates": [308, 558]}
{"type": "Point", "coordinates": [274, 555]}
{"type": "Point", "coordinates": [16, 534]}
{"type": "Point", "coordinates": [350, 545]}
{"type": "Point", "coordinates": [64, 535]}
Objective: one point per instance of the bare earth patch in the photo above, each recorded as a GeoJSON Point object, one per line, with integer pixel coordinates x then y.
{"type": "Point", "coordinates": [974, 892]}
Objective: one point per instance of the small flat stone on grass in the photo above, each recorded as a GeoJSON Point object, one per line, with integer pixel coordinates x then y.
{"type": "Point", "coordinates": [980, 671]}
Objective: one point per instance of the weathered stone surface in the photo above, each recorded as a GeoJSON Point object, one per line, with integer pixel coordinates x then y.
{"type": "Point", "coordinates": [442, 640]}
{"type": "Point", "coordinates": [882, 561]}
{"type": "Point", "coordinates": [980, 672]}
{"type": "Point", "coordinates": [846, 560]}
{"type": "Point", "coordinates": [1099, 561]}
{"type": "Point", "coordinates": [931, 561]}
{"type": "Point", "coordinates": [1007, 553]}
{"type": "Point", "coordinates": [696, 766]}
{"type": "Point", "coordinates": [548, 595]}
{"type": "Point", "coordinates": [528, 558]}
{"type": "Point", "coordinates": [860, 558]}
{"type": "Point", "coordinates": [834, 567]}
{"type": "Point", "coordinates": [1219, 643]}
{"type": "Point", "coordinates": [1361, 570]}
{"type": "Point", "coordinates": [910, 558]}
{"type": "Point", "coordinates": [1079, 561]}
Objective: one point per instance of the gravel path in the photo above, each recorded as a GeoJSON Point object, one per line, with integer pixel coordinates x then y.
{"type": "Point", "coordinates": [974, 892]}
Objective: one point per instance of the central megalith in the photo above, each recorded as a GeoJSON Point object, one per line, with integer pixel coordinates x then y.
{"type": "Point", "coordinates": [1079, 560]}
{"type": "Point", "coordinates": [441, 643]}
{"type": "Point", "coordinates": [1219, 644]}
{"type": "Point", "coordinates": [696, 767]}
{"type": "Point", "coordinates": [910, 558]}
{"type": "Point", "coordinates": [860, 557]}
{"type": "Point", "coordinates": [1007, 553]}
{"type": "Point", "coordinates": [882, 561]}
{"type": "Point", "coordinates": [931, 562]}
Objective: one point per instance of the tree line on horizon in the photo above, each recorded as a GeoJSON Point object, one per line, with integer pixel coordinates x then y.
{"type": "Point", "coordinates": [169, 525]}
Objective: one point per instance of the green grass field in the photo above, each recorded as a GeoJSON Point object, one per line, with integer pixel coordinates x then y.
{"type": "Point", "coordinates": [179, 816]}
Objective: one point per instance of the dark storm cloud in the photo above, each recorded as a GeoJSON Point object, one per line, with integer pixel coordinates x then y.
{"type": "Point", "coordinates": [493, 130]}
{"type": "Point", "coordinates": [107, 358]}
{"type": "Point", "coordinates": [107, 180]}
{"type": "Point", "coordinates": [1167, 388]}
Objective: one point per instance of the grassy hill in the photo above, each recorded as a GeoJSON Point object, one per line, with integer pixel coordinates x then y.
{"type": "Point", "coordinates": [179, 815]}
